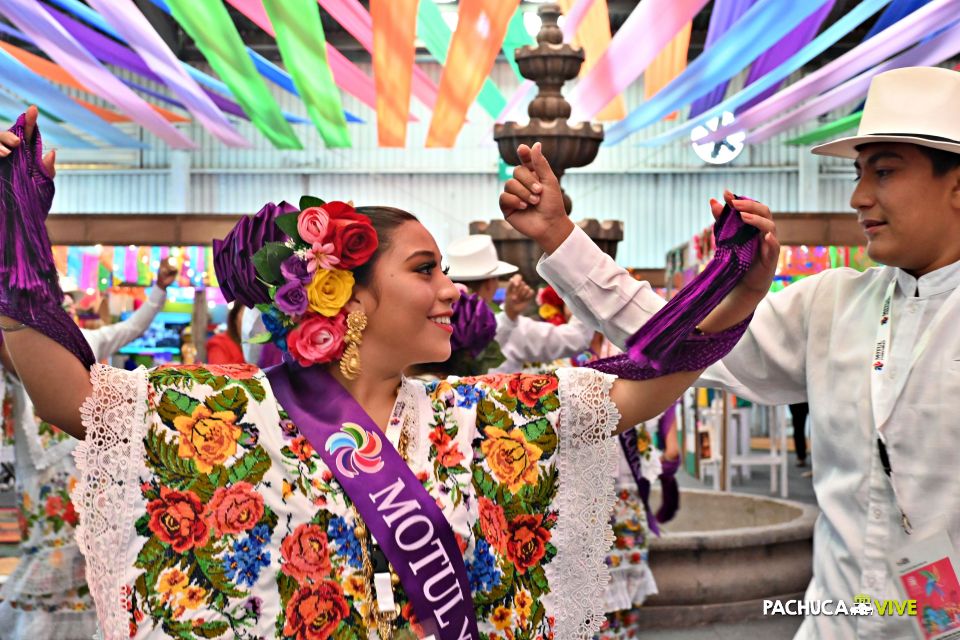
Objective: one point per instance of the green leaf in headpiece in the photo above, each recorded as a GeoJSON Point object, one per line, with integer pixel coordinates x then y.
{"type": "Point", "coordinates": [267, 261]}
{"type": "Point", "coordinates": [310, 201]}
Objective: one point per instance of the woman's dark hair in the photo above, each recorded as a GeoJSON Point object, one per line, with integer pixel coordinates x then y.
{"type": "Point", "coordinates": [385, 221]}
{"type": "Point", "coordinates": [233, 330]}
{"type": "Point", "coordinates": [943, 161]}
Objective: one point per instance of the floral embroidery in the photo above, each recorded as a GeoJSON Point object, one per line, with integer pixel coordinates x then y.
{"type": "Point", "coordinates": [512, 459]}
{"type": "Point", "coordinates": [210, 438]}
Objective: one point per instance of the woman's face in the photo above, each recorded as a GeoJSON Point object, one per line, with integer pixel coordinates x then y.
{"type": "Point", "coordinates": [408, 302]}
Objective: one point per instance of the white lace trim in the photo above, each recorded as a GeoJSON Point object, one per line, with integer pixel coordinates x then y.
{"type": "Point", "coordinates": [109, 460]}
{"type": "Point", "coordinates": [587, 460]}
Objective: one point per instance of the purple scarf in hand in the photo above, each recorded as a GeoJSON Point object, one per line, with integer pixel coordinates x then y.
{"type": "Point", "coordinates": [29, 285]}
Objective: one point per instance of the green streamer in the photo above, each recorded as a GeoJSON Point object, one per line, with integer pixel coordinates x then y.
{"type": "Point", "coordinates": [211, 28]}
{"type": "Point", "coordinates": [302, 44]}
{"type": "Point", "coordinates": [517, 36]}
{"type": "Point", "coordinates": [829, 130]}
{"type": "Point", "coordinates": [436, 35]}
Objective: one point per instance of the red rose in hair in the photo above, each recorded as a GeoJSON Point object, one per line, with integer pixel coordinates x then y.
{"type": "Point", "coordinates": [306, 553]}
{"type": "Point", "coordinates": [353, 237]}
{"type": "Point", "coordinates": [493, 524]}
{"type": "Point", "coordinates": [315, 612]}
{"type": "Point", "coordinates": [548, 295]}
{"type": "Point", "coordinates": [234, 510]}
{"type": "Point", "coordinates": [176, 517]}
{"type": "Point", "coordinates": [526, 541]}
{"type": "Point", "coordinates": [530, 388]}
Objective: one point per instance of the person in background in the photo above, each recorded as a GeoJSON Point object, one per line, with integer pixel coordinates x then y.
{"type": "Point", "coordinates": [226, 346]}
{"type": "Point", "coordinates": [47, 596]}
{"type": "Point", "coordinates": [798, 415]}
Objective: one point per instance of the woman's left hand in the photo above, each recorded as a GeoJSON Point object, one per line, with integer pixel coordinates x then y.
{"type": "Point", "coordinates": [756, 214]}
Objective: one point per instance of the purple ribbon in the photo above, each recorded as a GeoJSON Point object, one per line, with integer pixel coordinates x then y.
{"type": "Point", "coordinates": [403, 518]}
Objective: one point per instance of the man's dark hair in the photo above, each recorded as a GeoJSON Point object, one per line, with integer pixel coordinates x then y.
{"type": "Point", "coordinates": [943, 161]}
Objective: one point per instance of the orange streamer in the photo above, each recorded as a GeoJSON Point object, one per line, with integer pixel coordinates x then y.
{"type": "Point", "coordinates": [668, 64]}
{"type": "Point", "coordinates": [594, 36]}
{"type": "Point", "coordinates": [55, 73]}
{"type": "Point", "coordinates": [481, 27]}
{"type": "Point", "coordinates": [394, 37]}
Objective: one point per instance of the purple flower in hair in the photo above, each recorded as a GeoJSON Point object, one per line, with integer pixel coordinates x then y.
{"type": "Point", "coordinates": [474, 325]}
{"type": "Point", "coordinates": [296, 270]}
{"type": "Point", "coordinates": [233, 256]}
{"type": "Point", "coordinates": [291, 298]}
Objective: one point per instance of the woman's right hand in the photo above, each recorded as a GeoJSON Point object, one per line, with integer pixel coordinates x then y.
{"type": "Point", "coordinates": [9, 142]}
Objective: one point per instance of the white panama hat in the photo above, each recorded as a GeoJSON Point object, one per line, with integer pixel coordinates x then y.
{"type": "Point", "coordinates": [475, 258]}
{"type": "Point", "coordinates": [913, 105]}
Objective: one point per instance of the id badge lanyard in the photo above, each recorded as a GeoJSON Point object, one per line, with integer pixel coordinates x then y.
{"type": "Point", "coordinates": [877, 388]}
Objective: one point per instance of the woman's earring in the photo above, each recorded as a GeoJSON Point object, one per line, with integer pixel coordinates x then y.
{"type": "Point", "coordinates": [350, 361]}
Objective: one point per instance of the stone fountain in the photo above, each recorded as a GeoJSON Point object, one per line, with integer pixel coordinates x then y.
{"type": "Point", "coordinates": [550, 63]}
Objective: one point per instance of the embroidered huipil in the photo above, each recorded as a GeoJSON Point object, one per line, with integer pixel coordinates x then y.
{"type": "Point", "coordinates": [46, 596]}
{"type": "Point", "coordinates": [815, 341]}
{"type": "Point", "coordinates": [206, 514]}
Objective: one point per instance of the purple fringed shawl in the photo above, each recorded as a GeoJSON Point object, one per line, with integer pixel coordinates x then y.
{"type": "Point", "coordinates": [29, 285]}
{"type": "Point", "coordinates": [669, 342]}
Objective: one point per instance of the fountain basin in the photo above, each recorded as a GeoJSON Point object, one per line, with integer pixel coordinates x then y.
{"type": "Point", "coordinates": [724, 554]}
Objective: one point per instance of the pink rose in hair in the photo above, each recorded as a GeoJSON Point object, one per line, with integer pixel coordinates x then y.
{"type": "Point", "coordinates": [318, 339]}
{"type": "Point", "coordinates": [312, 224]}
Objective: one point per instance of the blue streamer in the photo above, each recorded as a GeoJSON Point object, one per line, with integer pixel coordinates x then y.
{"type": "Point", "coordinates": [763, 25]}
{"type": "Point", "coordinates": [821, 43]}
{"type": "Point", "coordinates": [36, 89]}
{"type": "Point", "coordinates": [53, 133]}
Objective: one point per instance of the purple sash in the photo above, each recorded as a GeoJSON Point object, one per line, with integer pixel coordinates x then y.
{"type": "Point", "coordinates": [403, 518]}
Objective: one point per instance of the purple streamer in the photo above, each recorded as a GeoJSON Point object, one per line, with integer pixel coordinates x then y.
{"type": "Point", "coordinates": [725, 13]}
{"type": "Point", "coordinates": [783, 51]}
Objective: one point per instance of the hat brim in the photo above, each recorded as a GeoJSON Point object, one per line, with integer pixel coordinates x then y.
{"type": "Point", "coordinates": [847, 147]}
{"type": "Point", "coordinates": [502, 269]}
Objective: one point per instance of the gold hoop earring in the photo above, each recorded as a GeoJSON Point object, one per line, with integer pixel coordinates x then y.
{"type": "Point", "coordinates": [350, 361]}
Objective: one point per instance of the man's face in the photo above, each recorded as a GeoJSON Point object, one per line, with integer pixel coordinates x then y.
{"type": "Point", "coordinates": [910, 216]}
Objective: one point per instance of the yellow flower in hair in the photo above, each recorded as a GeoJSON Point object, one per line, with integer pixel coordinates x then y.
{"type": "Point", "coordinates": [329, 291]}
{"type": "Point", "coordinates": [547, 311]}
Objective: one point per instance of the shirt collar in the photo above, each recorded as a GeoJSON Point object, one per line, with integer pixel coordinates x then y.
{"type": "Point", "coordinates": [934, 283]}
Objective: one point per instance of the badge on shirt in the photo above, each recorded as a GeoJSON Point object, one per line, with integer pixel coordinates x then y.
{"type": "Point", "coordinates": [926, 571]}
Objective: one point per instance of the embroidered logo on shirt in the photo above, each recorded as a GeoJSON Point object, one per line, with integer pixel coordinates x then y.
{"type": "Point", "coordinates": [356, 450]}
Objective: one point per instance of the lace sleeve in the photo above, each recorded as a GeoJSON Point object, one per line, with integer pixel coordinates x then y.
{"type": "Point", "coordinates": [587, 460]}
{"type": "Point", "coordinates": [109, 461]}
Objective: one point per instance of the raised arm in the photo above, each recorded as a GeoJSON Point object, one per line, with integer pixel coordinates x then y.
{"type": "Point", "coordinates": [532, 203]}
{"type": "Point", "coordinates": [54, 376]}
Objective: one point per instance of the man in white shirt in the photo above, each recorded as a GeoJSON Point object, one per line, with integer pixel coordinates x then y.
{"type": "Point", "coordinates": [876, 354]}
{"type": "Point", "coordinates": [473, 261]}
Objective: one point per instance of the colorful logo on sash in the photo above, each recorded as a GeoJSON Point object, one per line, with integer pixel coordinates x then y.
{"type": "Point", "coordinates": [355, 450]}
{"type": "Point", "coordinates": [878, 365]}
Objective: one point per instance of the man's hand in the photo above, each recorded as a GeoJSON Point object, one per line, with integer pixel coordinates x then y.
{"type": "Point", "coordinates": [519, 295]}
{"type": "Point", "coordinates": [9, 142]}
{"type": "Point", "coordinates": [756, 214]}
{"type": "Point", "coordinates": [532, 201]}
{"type": "Point", "coordinates": [166, 274]}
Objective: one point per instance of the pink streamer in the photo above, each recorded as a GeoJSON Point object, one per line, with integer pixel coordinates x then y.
{"type": "Point", "coordinates": [347, 75]}
{"type": "Point", "coordinates": [353, 17]}
{"type": "Point", "coordinates": [89, 271]}
{"type": "Point", "coordinates": [649, 29]}
{"type": "Point", "coordinates": [143, 38]}
{"type": "Point", "coordinates": [902, 34]}
{"type": "Point", "coordinates": [569, 28]}
{"type": "Point", "coordinates": [930, 53]}
{"type": "Point", "coordinates": [47, 33]}
{"type": "Point", "coordinates": [131, 269]}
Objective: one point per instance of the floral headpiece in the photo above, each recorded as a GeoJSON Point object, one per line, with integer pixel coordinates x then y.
{"type": "Point", "coordinates": [308, 277]}
{"type": "Point", "coordinates": [551, 306]}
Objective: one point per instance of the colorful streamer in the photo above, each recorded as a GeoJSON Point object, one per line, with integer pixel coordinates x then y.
{"type": "Point", "coordinates": [301, 41]}
{"type": "Point", "coordinates": [127, 19]}
{"type": "Point", "coordinates": [30, 17]}
{"type": "Point", "coordinates": [36, 90]}
{"type": "Point", "coordinates": [436, 35]}
{"type": "Point", "coordinates": [517, 36]}
{"type": "Point", "coordinates": [347, 75]}
{"type": "Point", "coordinates": [931, 52]}
{"type": "Point", "coordinates": [668, 64]}
{"type": "Point", "coordinates": [780, 52]}
{"type": "Point", "coordinates": [631, 50]}
{"type": "Point", "coordinates": [360, 24]}
{"type": "Point", "coordinates": [394, 35]}
{"type": "Point", "coordinates": [763, 25]}
{"type": "Point", "coordinates": [904, 33]}
{"type": "Point", "coordinates": [829, 130]}
{"type": "Point", "coordinates": [821, 43]}
{"type": "Point", "coordinates": [594, 36]}
{"type": "Point", "coordinates": [53, 133]}
{"type": "Point", "coordinates": [211, 28]}
{"type": "Point", "coordinates": [473, 50]}
{"type": "Point", "coordinates": [723, 15]}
